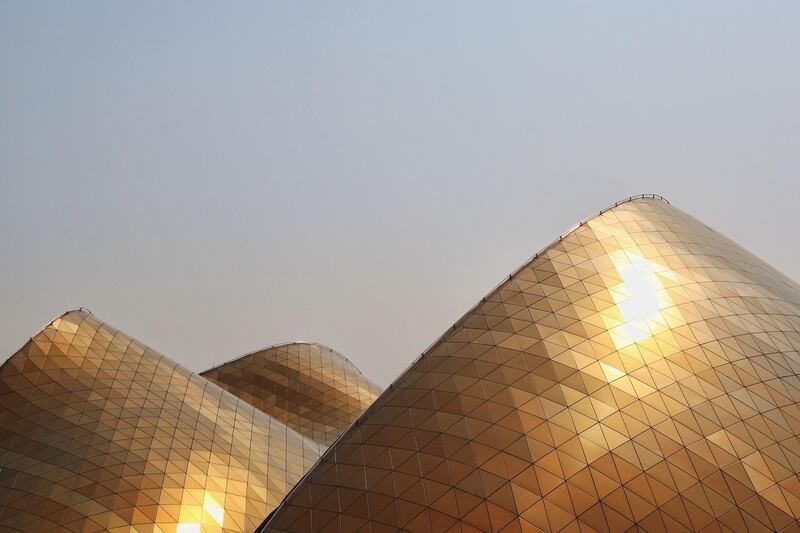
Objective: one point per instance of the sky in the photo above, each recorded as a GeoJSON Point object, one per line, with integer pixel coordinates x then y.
{"type": "Point", "coordinates": [212, 178]}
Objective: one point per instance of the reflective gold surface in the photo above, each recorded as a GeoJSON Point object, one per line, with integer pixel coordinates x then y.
{"type": "Point", "coordinates": [100, 433]}
{"type": "Point", "coordinates": [639, 373]}
{"type": "Point", "coordinates": [314, 390]}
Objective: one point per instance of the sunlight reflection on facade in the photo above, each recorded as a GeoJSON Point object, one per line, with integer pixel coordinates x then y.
{"type": "Point", "coordinates": [640, 298]}
{"type": "Point", "coordinates": [209, 517]}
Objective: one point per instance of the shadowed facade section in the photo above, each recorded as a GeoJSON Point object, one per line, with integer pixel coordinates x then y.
{"type": "Point", "coordinates": [100, 433]}
{"type": "Point", "coordinates": [639, 373]}
{"type": "Point", "coordinates": [309, 387]}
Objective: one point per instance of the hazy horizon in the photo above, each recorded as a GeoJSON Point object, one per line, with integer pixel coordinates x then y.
{"type": "Point", "coordinates": [212, 179]}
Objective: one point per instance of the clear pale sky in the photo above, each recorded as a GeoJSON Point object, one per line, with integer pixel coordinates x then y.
{"type": "Point", "coordinates": [212, 178]}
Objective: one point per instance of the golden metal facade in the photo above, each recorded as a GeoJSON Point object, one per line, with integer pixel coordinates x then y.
{"type": "Point", "coordinates": [100, 433]}
{"type": "Point", "coordinates": [639, 373]}
{"type": "Point", "coordinates": [309, 387]}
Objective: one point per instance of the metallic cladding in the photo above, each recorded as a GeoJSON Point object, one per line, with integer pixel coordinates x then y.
{"type": "Point", "coordinates": [309, 387]}
{"type": "Point", "coordinates": [100, 433]}
{"type": "Point", "coordinates": [639, 373]}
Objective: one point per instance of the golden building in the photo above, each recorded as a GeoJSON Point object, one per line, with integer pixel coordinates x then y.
{"type": "Point", "coordinates": [311, 388]}
{"type": "Point", "coordinates": [640, 373]}
{"type": "Point", "coordinates": [100, 433]}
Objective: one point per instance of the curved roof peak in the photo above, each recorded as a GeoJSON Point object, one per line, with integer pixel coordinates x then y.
{"type": "Point", "coordinates": [81, 396]}
{"type": "Point", "coordinates": [310, 387]}
{"type": "Point", "coordinates": [639, 342]}
{"type": "Point", "coordinates": [279, 345]}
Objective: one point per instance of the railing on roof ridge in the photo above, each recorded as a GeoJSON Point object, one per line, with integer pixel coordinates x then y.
{"type": "Point", "coordinates": [636, 197]}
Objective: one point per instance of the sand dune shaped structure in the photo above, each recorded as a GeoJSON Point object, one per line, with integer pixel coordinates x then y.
{"type": "Point", "coordinates": [638, 374]}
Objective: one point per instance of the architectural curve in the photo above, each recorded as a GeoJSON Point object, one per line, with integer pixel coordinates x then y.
{"type": "Point", "coordinates": [311, 388]}
{"type": "Point", "coordinates": [100, 433]}
{"type": "Point", "coordinates": [640, 372]}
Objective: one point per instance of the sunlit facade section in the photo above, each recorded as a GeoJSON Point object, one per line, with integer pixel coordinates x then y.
{"type": "Point", "coordinates": [640, 373]}
{"type": "Point", "coordinates": [309, 387]}
{"type": "Point", "coordinates": [643, 305]}
{"type": "Point", "coordinates": [100, 433]}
